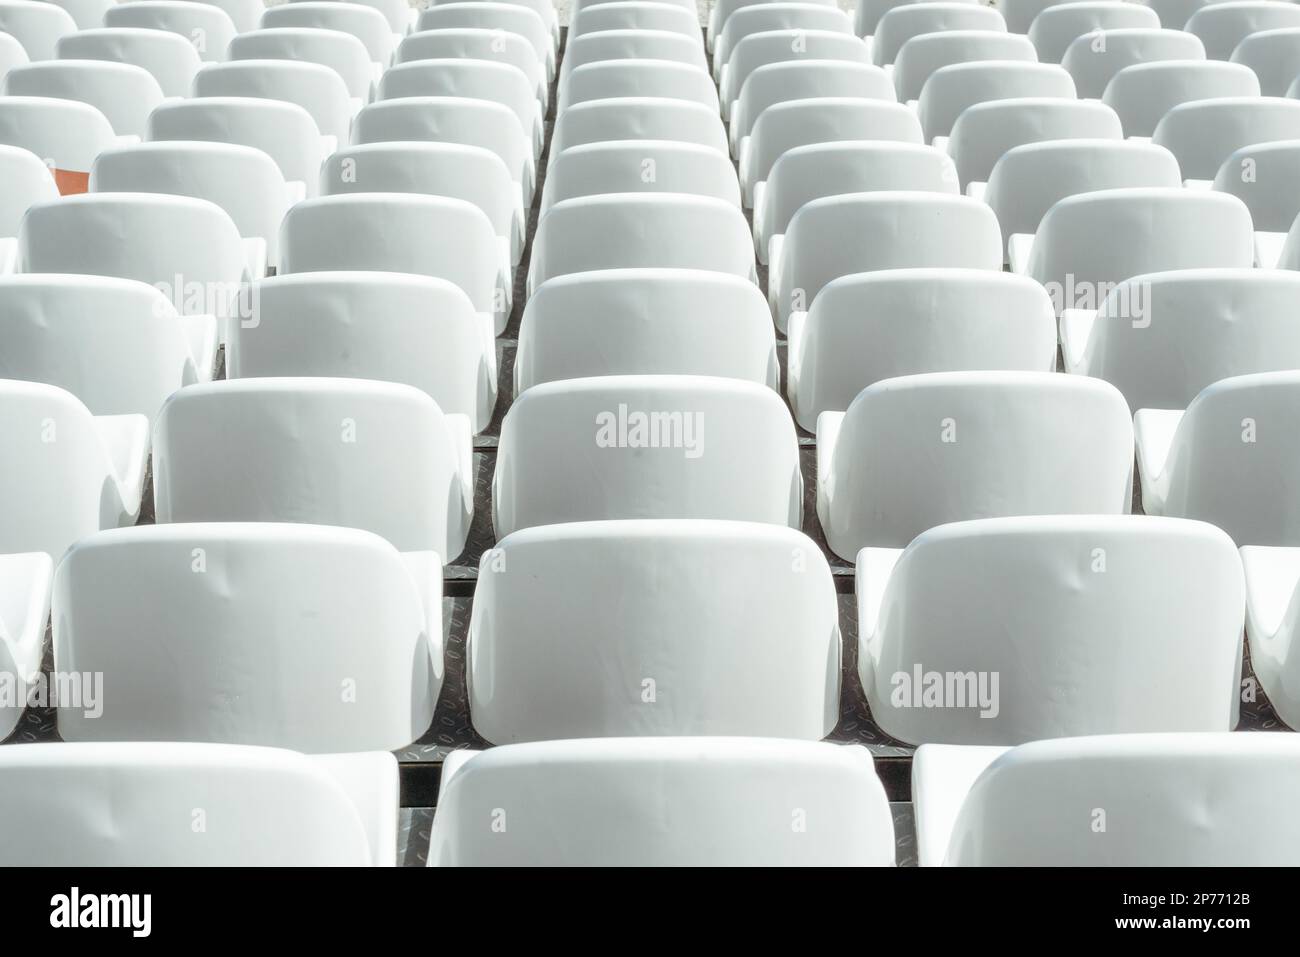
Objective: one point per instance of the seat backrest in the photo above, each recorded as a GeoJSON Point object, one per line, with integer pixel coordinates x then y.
{"type": "Point", "coordinates": [665, 608]}
{"type": "Point", "coordinates": [868, 14]}
{"type": "Point", "coordinates": [476, 43]}
{"type": "Point", "coordinates": [1089, 242]}
{"type": "Point", "coordinates": [1221, 26]}
{"type": "Point", "coordinates": [380, 457]}
{"type": "Point", "coordinates": [118, 345]}
{"type": "Point", "coordinates": [908, 20]}
{"type": "Point", "coordinates": [1010, 443]}
{"type": "Point", "coordinates": [635, 15]}
{"type": "Point", "coordinates": [922, 55]}
{"type": "Point", "coordinates": [806, 79]}
{"type": "Point", "coordinates": [1118, 624]}
{"type": "Point", "coordinates": [205, 25]}
{"type": "Point", "coordinates": [647, 446]}
{"type": "Point", "coordinates": [1029, 180]}
{"type": "Point", "coordinates": [777, 46]}
{"type": "Point", "coordinates": [319, 610]}
{"type": "Point", "coordinates": [27, 181]}
{"type": "Point", "coordinates": [1020, 14]}
{"type": "Point", "coordinates": [284, 131]}
{"type": "Point", "coordinates": [262, 806]}
{"type": "Point", "coordinates": [606, 79]}
{"type": "Point", "coordinates": [1174, 13]}
{"type": "Point", "coordinates": [365, 23]}
{"type": "Point", "coordinates": [638, 118]}
{"type": "Point", "coordinates": [187, 248]}
{"type": "Point", "coordinates": [243, 13]}
{"type": "Point", "coordinates": [1059, 25]}
{"type": "Point", "coordinates": [951, 89]}
{"type": "Point", "coordinates": [866, 327]}
{"type": "Point", "coordinates": [1094, 58]}
{"type": "Point", "coordinates": [36, 25]}
{"type": "Point", "coordinates": [1171, 800]}
{"type": "Point", "coordinates": [341, 52]}
{"type": "Point", "coordinates": [317, 89]}
{"type": "Point", "coordinates": [762, 17]}
{"type": "Point", "coordinates": [1203, 134]}
{"type": "Point", "coordinates": [631, 166]}
{"type": "Point", "coordinates": [1143, 93]}
{"type": "Point", "coordinates": [631, 45]}
{"type": "Point", "coordinates": [504, 17]}
{"type": "Point", "coordinates": [124, 93]}
{"type": "Point", "coordinates": [12, 54]}
{"type": "Point", "coordinates": [665, 801]}
{"type": "Point", "coordinates": [1266, 177]}
{"type": "Point", "coordinates": [170, 57]}
{"type": "Point", "coordinates": [722, 11]}
{"type": "Point", "coordinates": [985, 131]}
{"type": "Point", "coordinates": [1233, 459]}
{"type": "Point", "coordinates": [1274, 56]}
{"type": "Point", "coordinates": [646, 322]}
{"type": "Point", "coordinates": [471, 79]}
{"type": "Point", "coordinates": [87, 13]}
{"type": "Point", "coordinates": [66, 135]}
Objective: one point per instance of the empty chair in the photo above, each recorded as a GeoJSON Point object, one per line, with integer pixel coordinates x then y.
{"type": "Point", "coordinates": [471, 79]}
{"type": "Point", "coordinates": [1171, 800]}
{"type": "Point", "coordinates": [797, 123]}
{"type": "Point", "coordinates": [631, 45]}
{"type": "Point", "coordinates": [624, 78]}
{"type": "Point", "coordinates": [622, 628]}
{"type": "Point", "coordinates": [1085, 244]}
{"type": "Point", "coordinates": [72, 472]}
{"type": "Point", "coordinates": [261, 806]}
{"type": "Point", "coordinates": [860, 232]}
{"type": "Point", "coordinates": [1125, 624]}
{"type": "Point", "coordinates": [721, 12]}
{"type": "Point", "coordinates": [206, 26]}
{"type": "Point", "coordinates": [1203, 134]}
{"type": "Point", "coordinates": [87, 14]}
{"type": "Point", "coordinates": [381, 456]}
{"type": "Point", "coordinates": [866, 327]}
{"type": "Point", "coordinates": [187, 248]}
{"type": "Point", "coordinates": [1143, 93]}
{"type": "Point", "coordinates": [243, 181]}
{"type": "Point", "coordinates": [579, 7]}
{"type": "Point", "coordinates": [503, 17]}
{"type": "Point", "coordinates": [12, 54]}
{"type": "Point", "coordinates": [170, 57]}
{"type": "Point", "coordinates": [1272, 574]}
{"type": "Point", "coordinates": [951, 89]}
{"type": "Point", "coordinates": [1266, 177]}
{"type": "Point", "coordinates": [401, 16]}
{"type": "Point", "coordinates": [25, 608]}
{"type": "Point", "coordinates": [470, 173]}
{"type": "Point", "coordinates": [779, 83]}
{"type": "Point", "coordinates": [1161, 338]}
{"type": "Point", "coordinates": [341, 52]}
{"type": "Point", "coordinates": [638, 118]}
{"type": "Point", "coordinates": [543, 8]}
{"type": "Point", "coordinates": [1029, 180]}
{"type": "Point", "coordinates": [917, 451]}
{"type": "Point", "coordinates": [449, 119]}
{"type": "Point", "coordinates": [813, 172]}
{"type": "Point", "coordinates": [634, 166]}
{"type": "Point", "coordinates": [36, 25]}
{"type": "Point", "coordinates": [646, 322]}
{"type": "Point", "coordinates": [1174, 13]}
{"type": "Point", "coordinates": [912, 19]}
{"type": "Point", "coordinates": [1094, 58]}
{"type": "Point", "coordinates": [922, 55]}
{"type": "Point", "coordinates": [1229, 459]}
{"type": "Point", "coordinates": [1274, 56]}
{"type": "Point", "coordinates": [317, 89]}
{"type": "Point", "coordinates": [777, 46]}
{"type": "Point", "coordinates": [1221, 26]}
{"type": "Point", "coordinates": [395, 327]}
{"type": "Point", "coordinates": [635, 15]}
{"type": "Point", "coordinates": [619, 230]}
{"type": "Point", "coordinates": [243, 13]}
{"type": "Point", "coordinates": [365, 23]}
{"type": "Point", "coordinates": [66, 135]}
{"type": "Point", "coordinates": [767, 16]}
{"type": "Point", "coordinates": [401, 232]}
{"type": "Point", "coordinates": [664, 802]}
{"type": "Point", "coordinates": [319, 609]}
{"type": "Point", "coordinates": [284, 131]}
{"type": "Point", "coordinates": [27, 181]}
{"type": "Point", "coordinates": [118, 345]}
{"type": "Point", "coordinates": [479, 44]}
{"type": "Point", "coordinates": [646, 446]}
{"type": "Point", "coordinates": [125, 94]}
{"type": "Point", "coordinates": [1059, 25]}
{"type": "Point", "coordinates": [987, 130]}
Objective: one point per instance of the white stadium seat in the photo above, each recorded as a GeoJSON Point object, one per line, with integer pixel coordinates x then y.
{"type": "Point", "coordinates": [1229, 459]}
{"type": "Point", "coordinates": [383, 458]}
{"type": "Point", "coordinates": [1274, 56]}
{"type": "Point", "coordinates": [365, 23]}
{"type": "Point", "coordinates": [778, 46]}
{"type": "Point", "coordinates": [1020, 14]}
{"type": "Point", "coordinates": [625, 628]}
{"type": "Point", "coordinates": [868, 14]}
{"type": "Point", "coordinates": [73, 473]}
{"type": "Point", "coordinates": [1165, 800]}
{"type": "Point", "coordinates": [12, 54]}
{"type": "Point", "coordinates": [316, 88]}
{"type": "Point", "coordinates": [1161, 338]}
{"type": "Point", "coordinates": [151, 610]}
{"type": "Point", "coordinates": [66, 135]}
{"type": "Point", "coordinates": [394, 327]}
{"type": "Point", "coordinates": [1174, 13]}
{"type": "Point", "coordinates": [1094, 58]}
{"type": "Point", "coordinates": [635, 15]}
{"type": "Point", "coordinates": [206, 26]}
{"type": "Point", "coordinates": [478, 43]}
{"type": "Point", "coordinates": [262, 806]}
{"type": "Point", "coordinates": [1272, 574]}
{"type": "Point", "coordinates": [764, 17]}
{"type": "Point", "coordinates": [400, 14]}
{"type": "Point", "coordinates": [1266, 177]}
{"type": "Point", "coordinates": [87, 14]}
{"type": "Point", "coordinates": [646, 322]}
{"type": "Point", "coordinates": [917, 451]}
{"type": "Point", "coordinates": [950, 90]}
{"type": "Point", "coordinates": [125, 94]}
{"type": "Point", "coordinates": [638, 118]}
{"type": "Point", "coordinates": [896, 322]}
{"type": "Point", "coordinates": [1221, 26]}
{"type": "Point", "coordinates": [1205, 133]}
{"type": "Point", "coordinates": [36, 25]}
{"type": "Point", "coordinates": [170, 57]}
{"type": "Point", "coordinates": [860, 232]}
{"type": "Point", "coordinates": [913, 19]}
{"type": "Point", "coordinates": [545, 9]}
{"type": "Point", "coordinates": [1143, 93]}
{"type": "Point", "coordinates": [721, 12]}
{"type": "Point", "coordinates": [1118, 624]}
{"type": "Point", "coordinates": [27, 181]}
{"type": "Point", "coordinates": [340, 52]}
{"type": "Point", "coordinates": [646, 446]}
{"type": "Point", "coordinates": [665, 802]}
{"type": "Point", "coordinates": [631, 45]}
{"type": "Point", "coordinates": [922, 55]}
{"type": "Point", "coordinates": [631, 166]}
{"type": "Point", "coordinates": [505, 17]}
{"type": "Point", "coordinates": [243, 13]}
{"type": "Point", "coordinates": [607, 79]}
{"type": "Point", "coordinates": [1061, 24]}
